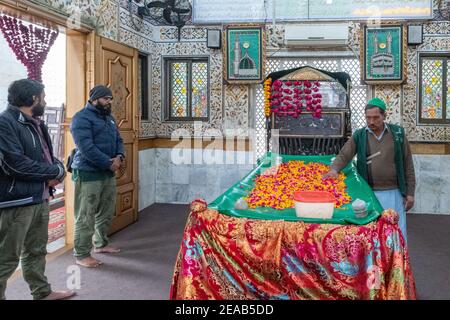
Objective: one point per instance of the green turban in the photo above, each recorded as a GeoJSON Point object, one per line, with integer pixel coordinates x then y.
{"type": "Point", "coordinates": [377, 102]}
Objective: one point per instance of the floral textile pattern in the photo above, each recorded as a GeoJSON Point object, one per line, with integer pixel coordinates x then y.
{"type": "Point", "coordinates": [223, 257]}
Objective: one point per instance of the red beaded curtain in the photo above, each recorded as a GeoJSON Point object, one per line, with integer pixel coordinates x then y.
{"type": "Point", "coordinates": [30, 44]}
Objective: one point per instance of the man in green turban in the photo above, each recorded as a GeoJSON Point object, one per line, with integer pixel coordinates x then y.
{"type": "Point", "coordinates": [384, 160]}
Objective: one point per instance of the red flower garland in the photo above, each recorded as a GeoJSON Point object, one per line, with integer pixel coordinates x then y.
{"type": "Point", "coordinates": [285, 101]}
{"type": "Point", "coordinates": [30, 44]}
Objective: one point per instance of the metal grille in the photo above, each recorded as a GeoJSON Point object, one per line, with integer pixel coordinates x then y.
{"type": "Point", "coordinates": [187, 89]}
{"type": "Point", "coordinates": [432, 74]}
{"type": "Point", "coordinates": [358, 97]}
{"type": "Point", "coordinates": [434, 88]}
{"type": "Point", "coordinates": [199, 89]}
{"type": "Point", "coordinates": [179, 85]}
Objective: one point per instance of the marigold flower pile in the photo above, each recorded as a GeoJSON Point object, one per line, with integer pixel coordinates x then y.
{"type": "Point", "coordinates": [276, 186]}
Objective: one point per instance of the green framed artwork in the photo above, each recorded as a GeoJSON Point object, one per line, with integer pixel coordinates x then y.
{"type": "Point", "coordinates": [244, 53]}
{"type": "Point", "coordinates": [383, 56]}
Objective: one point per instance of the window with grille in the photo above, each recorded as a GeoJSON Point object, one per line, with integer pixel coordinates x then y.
{"type": "Point", "coordinates": [187, 87]}
{"type": "Point", "coordinates": [358, 93]}
{"type": "Point", "coordinates": [434, 89]}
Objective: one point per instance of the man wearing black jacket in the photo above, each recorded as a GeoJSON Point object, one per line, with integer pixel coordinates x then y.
{"type": "Point", "coordinates": [100, 153]}
{"type": "Point", "coordinates": [28, 174]}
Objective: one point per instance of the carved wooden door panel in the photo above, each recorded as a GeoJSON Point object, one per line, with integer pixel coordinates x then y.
{"type": "Point", "coordinates": [115, 66]}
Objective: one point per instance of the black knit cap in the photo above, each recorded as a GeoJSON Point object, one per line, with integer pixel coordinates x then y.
{"type": "Point", "coordinates": [99, 91]}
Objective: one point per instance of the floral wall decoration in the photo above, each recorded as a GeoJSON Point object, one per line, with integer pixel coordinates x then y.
{"type": "Point", "coordinates": [226, 104]}
{"type": "Point", "coordinates": [267, 90]}
{"type": "Point", "coordinates": [30, 44]}
{"type": "Point", "coordinates": [291, 98]}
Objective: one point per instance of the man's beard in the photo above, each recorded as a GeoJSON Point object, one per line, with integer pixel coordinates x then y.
{"type": "Point", "coordinates": [104, 109]}
{"type": "Point", "coordinates": [38, 110]}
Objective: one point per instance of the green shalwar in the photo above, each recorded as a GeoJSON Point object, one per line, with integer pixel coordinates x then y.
{"type": "Point", "coordinates": [23, 237]}
{"type": "Point", "coordinates": [95, 206]}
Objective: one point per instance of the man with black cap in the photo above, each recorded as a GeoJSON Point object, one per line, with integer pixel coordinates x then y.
{"type": "Point", "coordinates": [384, 160]}
{"type": "Point", "coordinates": [99, 154]}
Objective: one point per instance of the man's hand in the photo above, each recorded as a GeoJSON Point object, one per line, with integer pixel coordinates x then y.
{"type": "Point", "coordinates": [116, 163]}
{"type": "Point", "coordinates": [408, 202]}
{"type": "Point", "coordinates": [331, 174]}
{"type": "Point", "coordinates": [53, 183]}
{"type": "Point", "coordinates": [122, 161]}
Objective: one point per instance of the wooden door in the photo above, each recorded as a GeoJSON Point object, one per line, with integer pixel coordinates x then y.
{"type": "Point", "coordinates": [115, 65]}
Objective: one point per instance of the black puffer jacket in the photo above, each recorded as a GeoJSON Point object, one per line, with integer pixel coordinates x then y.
{"type": "Point", "coordinates": [23, 170]}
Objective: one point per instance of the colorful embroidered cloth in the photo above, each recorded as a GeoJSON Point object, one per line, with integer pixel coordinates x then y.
{"type": "Point", "coordinates": [224, 257]}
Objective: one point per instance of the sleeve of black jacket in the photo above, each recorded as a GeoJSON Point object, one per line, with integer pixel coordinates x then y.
{"type": "Point", "coordinates": [16, 164]}
{"type": "Point", "coordinates": [82, 134]}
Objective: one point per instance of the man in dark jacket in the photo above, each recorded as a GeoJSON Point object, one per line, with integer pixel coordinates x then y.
{"type": "Point", "coordinates": [28, 174]}
{"type": "Point", "coordinates": [100, 153]}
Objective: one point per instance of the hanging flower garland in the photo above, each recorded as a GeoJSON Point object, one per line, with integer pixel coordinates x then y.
{"type": "Point", "coordinates": [267, 88]}
{"type": "Point", "coordinates": [291, 98]}
{"type": "Point", "coordinates": [29, 43]}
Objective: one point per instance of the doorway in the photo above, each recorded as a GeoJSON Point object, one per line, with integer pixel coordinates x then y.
{"type": "Point", "coordinates": [54, 78]}
{"type": "Point", "coordinates": [78, 60]}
